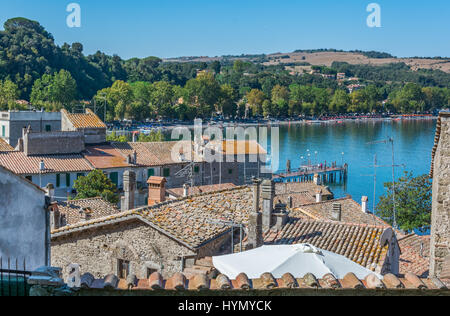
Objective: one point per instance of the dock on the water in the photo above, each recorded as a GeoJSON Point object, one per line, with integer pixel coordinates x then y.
{"type": "Point", "coordinates": [317, 174]}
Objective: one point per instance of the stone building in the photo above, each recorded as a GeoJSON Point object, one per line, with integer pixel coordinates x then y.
{"type": "Point", "coordinates": [440, 221]}
{"type": "Point", "coordinates": [24, 221]}
{"type": "Point", "coordinates": [165, 237]}
{"type": "Point", "coordinates": [12, 123]}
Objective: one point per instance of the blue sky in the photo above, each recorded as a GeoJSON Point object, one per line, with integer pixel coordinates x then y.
{"type": "Point", "coordinates": [172, 28]}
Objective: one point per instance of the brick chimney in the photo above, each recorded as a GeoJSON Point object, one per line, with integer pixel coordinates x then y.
{"type": "Point", "coordinates": [129, 186]}
{"type": "Point", "coordinates": [268, 195]}
{"type": "Point", "coordinates": [364, 202]}
{"type": "Point", "coordinates": [255, 232]}
{"type": "Point", "coordinates": [156, 190]}
{"type": "Point", "coordinates": [336, 213]}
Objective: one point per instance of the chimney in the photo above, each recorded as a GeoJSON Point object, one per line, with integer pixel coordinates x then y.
{"type": "Point", "coordinates": [336, 214]}
{"type": "Point", "coordinates": [364, 202]}
{"type": "Point", "coordinates": [185, 190]}
{"type": "Point", "coordinates": [280, 215]}
{"type": "Point", "coordinates": [316, 179]}
{"type": "Point", "coordinates": [50, 191]}
{"type": "Point", "coordinates": [290, 202]}
{"type": "Point", "coordinates": [55, 217]}
{"type": "Point", "coordinates": [255, 233]}
{"type": "Point", "coordinates": [135, 157]}
{"type": "Point", "coordinates": [41, 166]}
{"type": "Point", "coordinates": [319, 195]}
{"type": "Point", "coordinates": [86, 214]}
{"type": "Point", "coordinates": [129, 186]}
{"type": "Point", "coordinates": [156, 190]}
{"type": "Point", "coordinates": [268, 195]}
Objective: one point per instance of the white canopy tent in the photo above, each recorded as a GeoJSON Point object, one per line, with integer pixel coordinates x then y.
{"type": "Point", "coordinates": [297, 259]}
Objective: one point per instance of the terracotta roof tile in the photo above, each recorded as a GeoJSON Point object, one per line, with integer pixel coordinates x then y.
{"type": "Point", "coordinates": [178, 192]}
{"type": "Point", "coordinates": [4, 146]}
{"type": "Point", "coordinates": [105, 157]}
{"type": "Point", "coordinates": [415, 255]}
{"type": "Point", "coordinates": [351, 212]}
{"type": "Point", "coordinates": [22, 164]}
{"type": "Point", "coordinates": [179, 282]}
{"type": "Point", "coordinates": [98, 207]}
{"type": "Point", "coordinates": [359, 243]}
{"type": "Point", "coordinates": [86, 120]}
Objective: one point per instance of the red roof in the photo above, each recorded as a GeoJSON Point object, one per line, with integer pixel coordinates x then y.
{"type": "Point", "coordinates": [19, 163]}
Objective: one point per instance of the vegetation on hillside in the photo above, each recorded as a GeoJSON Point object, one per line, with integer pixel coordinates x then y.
{"type": "Point", "coordinates": [33, 67]}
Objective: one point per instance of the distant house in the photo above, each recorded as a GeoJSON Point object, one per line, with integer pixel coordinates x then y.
{"type": "Point", "coordinates": [89, 123]}
{"type": "Point", "coordinates": [24, 222]}
{"type": "Point", "coordinates": [13, 122]}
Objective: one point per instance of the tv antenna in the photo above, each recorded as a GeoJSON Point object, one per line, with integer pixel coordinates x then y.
{"type": "Point", "coordinates": [232, 225]}
{"type": "Point", "coordinates": [390, 140]}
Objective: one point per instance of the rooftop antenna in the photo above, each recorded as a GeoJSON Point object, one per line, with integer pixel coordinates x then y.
{"type": "Point", "coordinates": [390, 140]}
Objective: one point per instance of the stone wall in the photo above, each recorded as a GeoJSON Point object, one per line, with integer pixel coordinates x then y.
{"type": "Point", "coordinates": [440, 230]}
{"type": "Point", "coordinates": [98, 250]}
{"type": "Point", "coordinates": [15, 128]}
{"type": "Point", "coordinates": [53, 143]}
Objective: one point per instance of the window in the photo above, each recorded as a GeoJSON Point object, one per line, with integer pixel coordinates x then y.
{"type": "Point", "coordinates": [123, 268]}
{"type": "Point", "coordinates": [58, 180]}
{"type": "Point", "coordinates": [114, 176]}
{"type": "Point", "coordinates": [230, 171]}
{"type": "Point", "coordinates": [150, 173]}
{"type": "Point", "coordinates": [67, 180]}
{"type": "Point", "coordinates": [150, 272]}
{"type": "Point", "coordinates": [29, 178]}
{"type": "Point", "coordinates": [4, 131]}
{"type": "Point", "coordinates": [166, 172]}
{"type": "Point", "coordinates": [48, 128]}
{"type": "Point", "coordinates": [196, 169]}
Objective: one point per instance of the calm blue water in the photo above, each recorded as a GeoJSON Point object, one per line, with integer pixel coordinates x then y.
{"type": "Point", "coordinates": [414, 141]}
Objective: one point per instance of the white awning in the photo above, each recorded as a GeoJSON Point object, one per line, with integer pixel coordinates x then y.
{"type": "Point", "coordinates": [297, 259]}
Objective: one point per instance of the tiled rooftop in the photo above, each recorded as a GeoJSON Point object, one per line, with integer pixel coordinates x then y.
{"type": "Point", "coordinates": [178, 192]}
{"type": "Point", "coordinates": [187, 220]}
{"type": "Point", "coordinates": [415, 255]}
{"type": "Point", "coordinates": [179, 282]}
{"type": "Point", "coordinates": [4, 146]}
{"type": "Point", "coordinates": [22, 164]}
{"type": "Point", "coordinates": [359, 243]}
{"type": "Point", "coordinates": [241, 147]}
{"type": "Point", "coordinates": [97, 206]}
{"type": "Point", "coordinates": [351, 212]}
{"type": "Point", "coordinates": [104, 157]}
{"type": "Point", "coordinates": [302, 193]}
{"type": "Point", "coordinates": [86, 120]}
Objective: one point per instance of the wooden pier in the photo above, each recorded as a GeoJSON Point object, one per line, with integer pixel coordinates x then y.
{"type": "Point", "coordinates": [316, 174]}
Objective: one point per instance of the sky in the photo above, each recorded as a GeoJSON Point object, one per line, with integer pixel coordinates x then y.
{"type": "Point", "coordinates": [173, 28]}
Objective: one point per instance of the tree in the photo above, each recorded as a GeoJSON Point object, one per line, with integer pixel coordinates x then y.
{"type": "Point", "coordinates": [203, 92]}
{"type": "Point", "coordinates": [59, 88]}
{"type": "Point", "coordinates": [255, 99]}
{"type": "Point", "coordinates": [340, 102]}
{"type": "Point", "coordinates": [9, 92]}
{"type": "Point", "coordinates": [227, 100]}
{"type": "Point", "coordinates": [412, 202]}
{"type": "Point", "coordinates": [96, 184]}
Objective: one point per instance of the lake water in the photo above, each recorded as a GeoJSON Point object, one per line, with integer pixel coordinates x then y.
{"type": "Point", "coordinates": [413, 140]}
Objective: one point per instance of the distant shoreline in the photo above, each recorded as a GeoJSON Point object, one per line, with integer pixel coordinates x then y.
{"type": "Point", "coordinates": [168, 127]}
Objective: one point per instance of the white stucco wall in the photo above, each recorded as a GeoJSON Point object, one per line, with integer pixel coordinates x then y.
{"type": "Point", "coordinates": [22, 221]}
